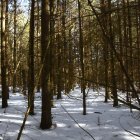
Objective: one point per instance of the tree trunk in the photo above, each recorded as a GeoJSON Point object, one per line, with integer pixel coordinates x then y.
{"type": "Point", "coordinates": [15, 45]}
{"type": "Point", "coordinates": [113, 77]}
{"type": "Point", "coordinates": [81, 47]}
{"type": "Point", "coordinates": [46, 118]}
{"type": "Point", "coordinates": [31, 62]}
{"type": "Point", "coordinates": [52, 32]}
{"type": "Point", "coordinates": [105, 48]}
{"type": "Point", "coordinates": [3, 55]}
{"type": "Point", "coordinates": [24, 82]}
{"type": "Point", "coordinates": [59, 73]}
{"type": "Point", "coordinates": [6, 41]}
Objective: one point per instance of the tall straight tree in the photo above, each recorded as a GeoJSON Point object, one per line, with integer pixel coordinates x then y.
{"type": "Point", "coordinates": [15, 44]}
{"type": "Point", "coordinates": [46, 118]}
{"type": "Point", "coordinates": [6, 43]}
{"type": "Point", "coordinates": [59, 57]}
{"type": "Point", "coordinates": [31, 62]}
{"type": "Point", "coordinates": [3, 55]}
{"type": "Point", "coordinates": [52, 32]}
{"type": "Point", "coordinates": [105, 47]}
{"type": "Point", "coordinates": [81, 48]}
{"type": "Point", "coordinates": [112, 61]}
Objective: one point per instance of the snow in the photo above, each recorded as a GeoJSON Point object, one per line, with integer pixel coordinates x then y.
{"type": "Point", "coordinates": [102, 122]}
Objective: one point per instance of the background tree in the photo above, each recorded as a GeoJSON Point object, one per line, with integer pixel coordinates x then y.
{"type": "Point", "coordinates": [15, 49]}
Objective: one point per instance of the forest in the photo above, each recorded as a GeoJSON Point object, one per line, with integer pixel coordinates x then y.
{"type": "Point", "coordinates": [79, 56]}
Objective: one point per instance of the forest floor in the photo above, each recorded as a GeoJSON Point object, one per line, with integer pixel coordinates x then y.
{"type": "Point", "coordinates": [102, 122]}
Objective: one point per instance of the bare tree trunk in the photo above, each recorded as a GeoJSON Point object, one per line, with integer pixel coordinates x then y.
{"type": "Point", "coordinates": [52, 32]}
{"type": "Point", "coordinates": [113, 77]}
{"type": "Point", "coordinates": [31, 62]}
{"type": "Point", "coordinates": [24, 82]}
{"type": "Point", "coordinates": [59, 67]}
{"type": "Point", "coordinates": [59, 58]}
{"type": "Point", "coordinates": [37, 36]}
{"type": "Point", "coordinates": [3, 55]}
{"type": "Point", "coordinates": [46, 118]}
{"type": "Point", "coordinates": [6, 41]}
{"type": "Point", "coordinates": [105, 48]}
{"type": "Point", "coordinates": [15, 45]}
{"type": "Point", "coordinates": [82, 58]}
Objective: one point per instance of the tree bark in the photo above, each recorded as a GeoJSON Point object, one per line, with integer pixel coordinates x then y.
{"type": "Point", "coordinates": [81, 48]}
{"type": "Point", "coordinates": [46, 118]}
{"type": "Point", "coordinates": [3, 55]}
{"type": "Point", "coordinates": [31, 62]}
{"type": "Point", "coordinates": [15, 49]}
{"type": "Point", "coordinates": [105, 48]}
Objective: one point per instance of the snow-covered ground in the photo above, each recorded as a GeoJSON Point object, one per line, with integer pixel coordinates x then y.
{"type": "Point", "coordinates": [102, 122]}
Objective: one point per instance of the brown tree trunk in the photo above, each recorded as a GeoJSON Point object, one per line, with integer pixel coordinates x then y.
{"type": "Point", "coordinates": [31, 62]}
{"type": "Point", "coordinates": [105, 48]}
{"type": "Point", "coordinates": [6, 41]}
{"type": "Point", "coordinates": [46, 118]}
{"type": "Point", "coordinates": [113, 77]}
{"type": "Point", "coordinates": [24, 82]}
{"type": "Point", "coordinates": [52, 32]}
{"type": "Point", "coordinates": [15, 49]}
{"type": "Point", "coordinates": [81, 48]}
{"type": "Point", "coordinates": [3, 55]}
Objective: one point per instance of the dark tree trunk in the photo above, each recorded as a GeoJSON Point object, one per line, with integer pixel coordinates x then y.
{"type": "Point", "coordinates": [52, 32]}
{"type": "Point", "coordinates": [59, 58]}
{"type": "Point", "coordinates": [59, 73]}
{"type": "Point", "coordinates": [6, 41]}
{"type": "Point", "coordinates": [105, 48]}
{"type": "Point", "coordinates": [31, 62]}
{"type": "Point", "coordinates": [113, 77]}
{"type": "Point", "coordinates": [24, 82]}
{"type": "Point", "coordinates": [81, 48]}
{"type": "Point", "coordinates": [15, 45]}
{"type": "Point", "coordinates": [46, 118]}
{"type": "Point", "coordinates": [3, 55]}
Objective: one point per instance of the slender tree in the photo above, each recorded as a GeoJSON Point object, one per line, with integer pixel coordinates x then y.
{"type": "Point", "coordinates": [105, 48]}
{"type": "Point", "coordinates": [81, 48]}
{"type": "Point", "coordinates": [3, 55]}
{"type": "Point", "coordinates": [15, 45]}
{"type": "Point", "coordinates": [31, 61]}
{"type": "Point", "coordinates": [59, 56]}
{"type": "Point", "coordinates": [6, 43]}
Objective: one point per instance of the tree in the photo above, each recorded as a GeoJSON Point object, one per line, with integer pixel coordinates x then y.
{"type": "Point", "coordinates": [3, 55]}
{"type": "Point", "coordinates": [105, 47]}
{"type": "Point", "coordinates": [46, 118]}
{"type": "Point", "coordinates": [81, 48]}
{"type": "Point", "coordinates": [15, 45]}
{"type": "Point", "coordinates": [31, 62]}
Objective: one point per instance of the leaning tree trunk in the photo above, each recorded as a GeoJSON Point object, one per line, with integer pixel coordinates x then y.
{"type": "Point", "coordinates": [46, 118]}
{"type": "Point", "coordinates": [3, 55]}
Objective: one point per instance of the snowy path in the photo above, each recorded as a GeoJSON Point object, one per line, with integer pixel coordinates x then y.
{"type": "Point", "coordinates": [102, 121]}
